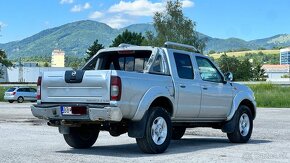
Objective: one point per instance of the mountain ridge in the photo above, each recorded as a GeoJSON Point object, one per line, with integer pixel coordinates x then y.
{"type": "Point", "coordinates": [75, 38]}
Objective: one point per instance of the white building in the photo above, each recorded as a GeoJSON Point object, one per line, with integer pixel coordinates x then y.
{"type": "Point", "coordinates": [27, 74]}
{"type": "Point", "coordinates": [57, 58]}
{"type": "Point", "coordinates": [277, 72]}
{"type": "Point", "coordinates": [285, 56]}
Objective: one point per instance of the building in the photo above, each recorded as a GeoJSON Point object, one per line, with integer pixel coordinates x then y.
{"type": "Point", "coordinates": [57, 58]}
{"type": "Point", "coordinates": [27, 74]}
{"type": "Point", "coordinates": [285, 56]}
{"type": "Point", "coordinates": [277, 72]}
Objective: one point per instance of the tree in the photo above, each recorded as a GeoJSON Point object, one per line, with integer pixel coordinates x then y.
{"type": "Point", "coordinates": [172, 25]}
{"type": "Point", "coordinates": [211, 52]}
{"type": "Point", "coordinates": [128, 38]}
{"type": "Point", "coordinates": [93, 49]}
{"type": "Point", "coordinates": [45, 64]}
{"type": "Point", "coordinates": [4, 62]}
{"type": "Point", "coordinates": [229, 64]}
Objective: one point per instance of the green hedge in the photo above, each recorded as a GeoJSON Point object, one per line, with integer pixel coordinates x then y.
{"type": "Point", "coordinates": [2, 91]}
{"type": "Point", "coordinates": [267, 95]}
{"type": "Point", "coordinates": [270, 95]}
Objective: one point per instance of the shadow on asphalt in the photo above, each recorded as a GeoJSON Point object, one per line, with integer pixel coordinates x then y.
{"type": "Point", "coordinates": [185, 145]}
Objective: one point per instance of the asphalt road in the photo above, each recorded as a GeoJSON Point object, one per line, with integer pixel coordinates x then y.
{"type": "Point", "coordinates": [26, 139]}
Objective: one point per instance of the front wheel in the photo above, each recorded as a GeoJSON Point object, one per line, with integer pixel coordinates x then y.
{"type": "Point", "coordinates": [243, 126]}
{"type": "Point", "coordinates": [82, 137]}
{"type": "Point", "coordinates": [157, 132]}
{"type": "Point", "coordinates": [10, 101]}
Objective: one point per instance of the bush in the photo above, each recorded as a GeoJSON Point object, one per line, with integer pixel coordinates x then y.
{"type": "Point", "coordinates": [270, 95]}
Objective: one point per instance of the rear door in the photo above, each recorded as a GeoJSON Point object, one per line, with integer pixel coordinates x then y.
{"type": "Point", "coordinates": [217, 96]}
{"type": "Point", "coordinates": [187, 88]}
{"type": "Point", "coordinates": [90, 86]}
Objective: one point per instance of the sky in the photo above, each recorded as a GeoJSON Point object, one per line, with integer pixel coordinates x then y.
{"type": "Point", "coordinates": [244, 19]}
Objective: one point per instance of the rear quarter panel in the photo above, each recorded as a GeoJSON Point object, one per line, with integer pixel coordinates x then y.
{"type": "Point", "coordinates": [135, 88]}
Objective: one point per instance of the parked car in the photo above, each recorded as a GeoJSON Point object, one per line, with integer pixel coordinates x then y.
{"type": "Point", "coordinates": [151, 93]}
{"type": "Point", "coordinates": [20, 94]}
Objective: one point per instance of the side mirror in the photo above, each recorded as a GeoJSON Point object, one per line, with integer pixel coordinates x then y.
{"type": "Point", "coordinates": [229, 76]}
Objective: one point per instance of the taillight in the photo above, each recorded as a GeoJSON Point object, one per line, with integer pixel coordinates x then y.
{"type": "Point", "coordinates": [38, 96]}
{"type": "Point", "coordinates": [116, 88]}
{"type": "Point", "coordinates": [13, 93]}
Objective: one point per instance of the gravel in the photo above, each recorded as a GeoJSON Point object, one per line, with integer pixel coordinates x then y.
{"type": "Point", "coordinates": [24, 138]}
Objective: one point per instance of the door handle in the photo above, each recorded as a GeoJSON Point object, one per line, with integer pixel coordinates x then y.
{"type": "Point", "coordinates": [204, 87]}
{"type": "Point", "coordinates": [182, 86]}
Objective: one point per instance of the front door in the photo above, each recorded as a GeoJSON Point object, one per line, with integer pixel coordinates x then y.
{"type": "Point", "coordinates": [217, 95]}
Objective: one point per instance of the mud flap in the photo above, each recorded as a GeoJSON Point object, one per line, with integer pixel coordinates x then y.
{"type": "Point", "coordinates": [136, 129]}
{"type": "Point", "coordinates": [229, 126]}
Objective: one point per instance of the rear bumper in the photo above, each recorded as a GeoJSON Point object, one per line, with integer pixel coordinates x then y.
{"type": "Point", "coordinates": [94, 113]}
{"type": "Point", "coordinates": [10, 98]}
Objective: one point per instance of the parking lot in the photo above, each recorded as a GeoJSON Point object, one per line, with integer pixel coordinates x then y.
{"type": "Point", "coordinates": [24, 138]}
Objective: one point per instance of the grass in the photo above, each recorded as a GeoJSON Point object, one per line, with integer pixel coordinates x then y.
{"type": "Point", "coordinates": [2, 91]}
{"type": "Point", "coordinates": [270, 95]}
{"type": "Point", "coordinates": [243, 53]}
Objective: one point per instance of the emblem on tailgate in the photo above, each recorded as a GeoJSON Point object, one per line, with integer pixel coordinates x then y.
{"type": "Point", "coordinates": [73, 73]}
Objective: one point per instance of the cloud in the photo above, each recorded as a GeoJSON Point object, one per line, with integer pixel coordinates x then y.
{"type": "Point", "coordinates": [79, 8]}
{"type": "Point", "coordinates": [66, 1]}
{"type": "Point", "coordinates": [137, 7]}
{"type": "Point", "coordinates": [143, 7]}
{"type": "Point", "coordinates": [116, 22]}
{"type": "Point", "coordinates": [2, 24]}
{"type": "Point", "coordinates": [96, 15]}
{"type": "Point", "coordinates": [187, 3]}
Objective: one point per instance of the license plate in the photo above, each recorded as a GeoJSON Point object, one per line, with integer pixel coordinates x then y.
{"type": "Point", "coordinates": [66, 110]}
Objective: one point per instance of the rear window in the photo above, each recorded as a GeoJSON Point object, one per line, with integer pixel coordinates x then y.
{"type": "Point", "coordinates": [122, 60]}
{"type": "Point", "coordinates": [10, 89]}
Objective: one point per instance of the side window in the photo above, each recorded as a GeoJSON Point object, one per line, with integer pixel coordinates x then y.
{"type": "Point", "coordinates": [20, 90]}
{"type": "Point", "coordinates": [207, 70]}
{"type": "Point", "coordinates": [183, 66]}
{"type": "Point", "coordinates": [32, 90]}
{"type": "Point", "coordinates": [157, 64]}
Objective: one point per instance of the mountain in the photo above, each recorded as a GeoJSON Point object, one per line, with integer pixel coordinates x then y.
{"type": "Point", "coordinates": [75, 38]}
{"type": "Point", "coordinates": [280, 40]}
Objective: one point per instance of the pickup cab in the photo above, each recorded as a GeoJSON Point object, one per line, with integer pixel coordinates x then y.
{"type": "Point", "coordinates": [151, 93]}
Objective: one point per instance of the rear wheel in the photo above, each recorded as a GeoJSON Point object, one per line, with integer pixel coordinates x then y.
{"type": "Point", "coordinates": [10, 101]}
{"type": "Point", "coordinates": [82, 137]}
{"type": "Point", "coordinates": [177, 132]}
{"type": "Point", "coordinates": [243, 126]}
{"type": "Point", "coordinates": [20, 99]}
{"type": "Point", "coordinates": [157, 133]}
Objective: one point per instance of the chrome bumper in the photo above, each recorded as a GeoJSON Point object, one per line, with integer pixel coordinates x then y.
{"type": "Point", "coordinates": [107, 113]}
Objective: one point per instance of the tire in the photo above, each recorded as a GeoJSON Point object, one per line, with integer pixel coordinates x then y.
{"type": "Point", "coordinates": [20, 99]}
{"type": "Point", "coordinates": [82, 137]}
{"type": "Point", "coordinates": [177, 132]}
{"type": "Point", "coordinates": [243, 126]}
{"type": "Point", "coordinates": [10, 101]}
{"type": "Point", "coordinates": [157, 132]}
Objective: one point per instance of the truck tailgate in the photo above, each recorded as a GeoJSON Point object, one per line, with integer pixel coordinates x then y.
{"type": "Point", "coordinates": [93, 88]}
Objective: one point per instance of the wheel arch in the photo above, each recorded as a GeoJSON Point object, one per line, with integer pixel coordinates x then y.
{"type": "Point", "coordinates": [242, 98]}
{"type": "Point", "coordinates": [251, 106]}
{"type": "Point", "coordinates": [163, 102]}
{"type": "Point", "coordinates": [161, 96]}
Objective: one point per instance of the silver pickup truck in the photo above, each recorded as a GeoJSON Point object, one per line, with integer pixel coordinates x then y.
{"type": "Point", "coordinates": [151, 93]}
